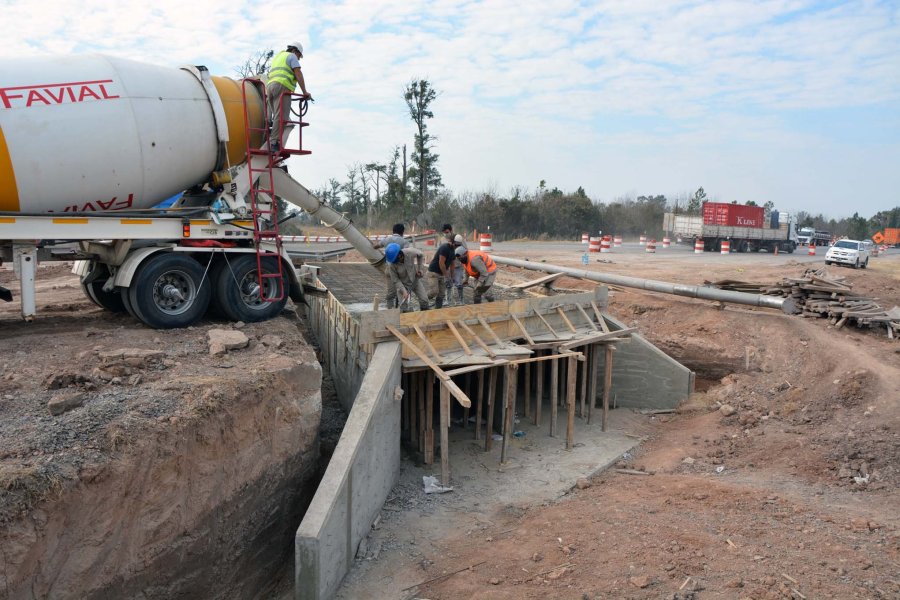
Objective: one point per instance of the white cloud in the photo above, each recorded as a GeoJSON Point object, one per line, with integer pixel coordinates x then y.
{"type": "Point", "coordinates": [613, 95]}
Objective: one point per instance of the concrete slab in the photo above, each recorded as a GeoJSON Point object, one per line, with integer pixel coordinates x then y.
{"type": "Point", "coordinates": [539, 470]}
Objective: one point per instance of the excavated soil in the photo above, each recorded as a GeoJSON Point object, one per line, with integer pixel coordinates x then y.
{"type": "Point", "coordinates": [172, 473]}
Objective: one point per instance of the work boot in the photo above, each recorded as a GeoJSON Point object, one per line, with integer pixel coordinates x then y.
{"type": "Point", "coordinates": [439, 303]}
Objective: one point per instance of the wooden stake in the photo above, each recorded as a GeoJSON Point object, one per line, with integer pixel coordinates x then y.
{"type": "Point", "coordinates": [595, 374]}
{"type": "Point", "coordinates": [422, 336]}
{"type": "Point", "coordinates": [492, 392]}
{"type": "Point", "coordinates": [527, 390]}
{"type": "Point", "coordinates": [429, 420]}
{"type": "Point", "coordinates": [477, 339]}
{"type": "Point", "coordinates": [459, 338]}
{"type": "Point", "coordinates": [423, 381]}
{"type": "Point", "coordinates": [587, 318]}
{"type": "Point", "coordinates": [509, 410]}
{"type": "Point", "coordinates": [570, 400]}
{"type": "Point", "coordinates": [600, 320]}
{"type": "Point", "coordinates": [539, 393]}
{"type": "Point", "coordinates": [541, 317]}
{"type": "Point", "coordinates": [479, 404]}
{"type": "Point", "coordinates": [554, 391]}
{"type": "Point", "coordinates": [375, 302]}
{"type": "Point", "coordinates": [412, 405]}
{"type": "Point", "coordinates": [445, 435]}
{"type": "Point", "coordinates": [468, 379]}
{"type": "Point", "coordinates": [562, 313]}
{"type": "Point", "coordinates": [585, 368]}
{"type": "Point", "coordinates": [490, 331]}
{"type": "Point", "coordinates": [522, 329]}
{"type": "Point", "coordinates": [607, 385]}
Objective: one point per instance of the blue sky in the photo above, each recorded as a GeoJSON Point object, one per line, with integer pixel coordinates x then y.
{"type": "Point", "coordinates": [792, 101]}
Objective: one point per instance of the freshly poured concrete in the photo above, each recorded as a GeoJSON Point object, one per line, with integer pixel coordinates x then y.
{"type": "Point", "coordinates": [538, 469]}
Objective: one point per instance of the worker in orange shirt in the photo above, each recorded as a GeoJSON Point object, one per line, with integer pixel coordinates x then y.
{"type": "Point", "coordinates": [480, 266]}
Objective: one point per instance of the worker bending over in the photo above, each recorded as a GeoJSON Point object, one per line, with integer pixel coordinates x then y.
{"type": "Point", "coordinates": [482, 268]}
{"type": "Point", "coordinates": [440, 273]}
{"type": "Point", "coordinates": [396, 237]}
{"type": "Point", "coordinates": [406, 268]}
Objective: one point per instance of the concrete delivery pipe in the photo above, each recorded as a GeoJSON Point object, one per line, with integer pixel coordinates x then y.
{"type": "Point", "coordinates": [95, 133]}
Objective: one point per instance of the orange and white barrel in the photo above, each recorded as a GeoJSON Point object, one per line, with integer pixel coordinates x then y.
{"type": "Point", "coordinates": [698, 246]}
{"type": "Point", "coordinates": [642, 240]}
{"type": "Point", "coordinates": [594, 244]}
{"type": "Point", "coordinates": [725, 247]}
{"type": "Point", "coordinates": [617, 241]}
{"type": "Point", "coordinates": [585, 238]}
{"type": "Point", "coordinates": [666, 242]}
{"type": "Point", "coordinates": [874, 250]}
{"type": "Point", "coordinates": [487, 242]}
{"type": "Point", "coordinates": [429, 241]}
{"type": "Point", "coordinates": [651, 247]}
{"type": "Point", "coordinates": [605, 243]}
{"type": "Point", "coordinates": [812, 250]}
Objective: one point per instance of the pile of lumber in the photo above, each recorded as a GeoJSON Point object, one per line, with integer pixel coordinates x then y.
{"type": "Point", "coordinates": [823, 296]}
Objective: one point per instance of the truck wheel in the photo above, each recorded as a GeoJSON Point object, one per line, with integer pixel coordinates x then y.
{"type": "Point", "coordinates": [865, 265]}
{"type": "Point", "coordinates": [827, 263]}
{"type": "Point", "coordinates": [111, 301]}
{"type": "Point", "coordinates": [237, 289]}
{"type": "Point", "coordinates": [856, 266]}
{"type": "Point", "coordinates": [169, 290]}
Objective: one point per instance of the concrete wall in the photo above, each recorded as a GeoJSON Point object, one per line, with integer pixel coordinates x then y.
{"type": "Point", "coordinates": [361, 473]}
{"type": "Point", "coordinates": [644, 376]}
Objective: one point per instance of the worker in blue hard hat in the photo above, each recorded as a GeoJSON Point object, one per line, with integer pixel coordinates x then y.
{"type": "Point", "coordinates": [396, 237]}
{"type": "Point", "coordinates": [283, 78]}
{"type": "Point", "coordinates": [406, 266]}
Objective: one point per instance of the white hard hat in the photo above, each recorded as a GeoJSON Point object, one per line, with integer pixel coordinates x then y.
{"type": "Point", "coordinates": [298, 46]}
{"type": "Point", "coordinates": [458, 239]}
{"type": "Point", "coordinates": [461, 251]}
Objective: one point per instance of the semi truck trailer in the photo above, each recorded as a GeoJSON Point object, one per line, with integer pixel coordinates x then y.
{"type": "Point", "coordinates": [91, 145]}
{"type": "Point", "coordinates": [741, 238]}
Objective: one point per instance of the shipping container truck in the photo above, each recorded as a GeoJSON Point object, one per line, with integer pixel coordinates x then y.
{"type": "Point", "coordinates": [779, 234]}
{"type": "Point", "coordinates": [808, 236]}
{"type": "Point", "coordinates": [732, 215]}
{"type": "Point", "coordinates": [91, 146]}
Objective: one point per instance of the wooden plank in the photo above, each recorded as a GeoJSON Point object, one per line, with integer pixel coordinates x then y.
{"type": "Point", "coordinates": [607, 386]}
{"type": "Point", "coordinates": [459, 338]}
{"type": "Point", "coordinates": [554, 391]}
{"type": "Point", "coordinates": [540, 280]}
{"type": "Point", "coordinates": [522, 329]}
{"type": "Point", "coordinates": [570, 403]}
{"type": "Point", "coordinates": [492, 392]}
{"type": "Point", "coordinates": [423, 381]}
{"type": "Point", "coordinates": [429, 418]}
{"type": "Point", "coordinates": [480, 367]}
{"type": "Point", "coordinates": [445, 435]}
{"type": "Point", "coordinates": [568, 323]}
{"type": "Point", "coordinates": [468, 379]}
{"type": "Point", "coordinates": [585, 368]}
{"type": "Point", "coordinates": [479, 405]}
{"type": "Point", "coordinates": [509, 408]}
{"type": "Point", "coordinates": [527, 390]}
{"type": "Point", "coordinates": [427, 343]}
{"type": "Point", "coordinates": [600, 320]}
{"type": "Point", "coordinates": [477, 339]}
{"type": "Point", "coordinates": [541, 317]}
{"type": "Point", "coordinates": [413, 406]}
{"type": "Point", "coordinates": [539, 392]}
{"type": "Point", "coordinates": [490, 331]}
{"type": "Point", "coordinates": [587, 318]}
{"type": "Point", "coordinates": [454, 389]}
{"type": "Point", "coordinates": [597, 337]}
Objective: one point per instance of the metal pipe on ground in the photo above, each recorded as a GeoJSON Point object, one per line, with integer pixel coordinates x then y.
{"type": "Point", "coordinates": [786, 305]}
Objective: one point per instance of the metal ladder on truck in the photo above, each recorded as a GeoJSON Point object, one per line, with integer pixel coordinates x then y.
{"type": "Point", "coordinates": [265, 214]}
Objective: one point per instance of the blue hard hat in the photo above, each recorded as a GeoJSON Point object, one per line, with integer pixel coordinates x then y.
{"type": "Point", "coordinates": [392, 252]}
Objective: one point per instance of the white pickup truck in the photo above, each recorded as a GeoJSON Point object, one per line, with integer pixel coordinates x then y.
{"type": "Point", "coordinates": [848, 252]}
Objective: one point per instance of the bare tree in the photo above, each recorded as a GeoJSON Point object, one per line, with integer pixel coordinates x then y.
{"type": "Point", "coordinates": [256, 65]}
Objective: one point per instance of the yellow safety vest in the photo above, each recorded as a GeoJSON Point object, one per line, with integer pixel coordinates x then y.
{"type": "Point", "coordinates": [280, 72]}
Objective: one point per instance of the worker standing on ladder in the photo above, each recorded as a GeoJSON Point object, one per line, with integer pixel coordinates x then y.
{"type": "Point", "coordinates": [406, 268]}
{"type": "Point", "coordinates": [482, 268]}
{"type": "Point", "coordinates": [283, 78]}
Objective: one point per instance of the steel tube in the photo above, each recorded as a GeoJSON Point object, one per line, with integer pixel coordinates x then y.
{"type": "Point", "coordinates": [786, 305]}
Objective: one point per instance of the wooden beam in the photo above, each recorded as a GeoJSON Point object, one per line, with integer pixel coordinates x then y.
{"type": "Point", "coordinates": [562, 314]}
{"type": "Point", "coordinates": [587, 318]}
{"type": "Point", "coordinates": [445, 435]}
{"type": "Point", "coordinates": [522, 329]}
{"type": "Point", "coordinates": [492, 392]}
{"type": "Point", "coordinates": [540, 280]}
{"type": "Point", "coordinates": [509, 410]}
{"type": "Point", "coordinates": [527, 390]}
{"type": "Point", "coordinates": [600, 320]}
{"type": "Point", "coordinates": [479, 404]}
{"type": "Point", "coordinates": [595, 370]}
{"type": "Point", "coordinates": [470, 368]}
{"type": "Point", "coordinates": [541, 317]}
{"type": "Point", "coordinates": [423, 381]}
{"type": "Point", "coordinates": [584, 385]}
{"type": "Point", "coordinates": [490, 331]}
{"type": "Point", "coordinates": [597, 337]}
{"type": "Point", "coordinates": [429, 418]}
{"type": "Point", "coordinates": [539, 392]}
{"type": "Point", "coordinates": [445, 379]}
{"type": "Point", "coordinates": [554, 395]}
{"type": "Point", "coordinates": [424, 338]}
{"type": "Point", "coordinates": [570, 403]}
{"type": "Point", "coordinates": [607, 385]}
{"type": "Point", "coordinates": [459, 338]}
{"type": "Point", "coordinates": [413, 406]}
{"type": "Point", "coordinates": [477, 339]}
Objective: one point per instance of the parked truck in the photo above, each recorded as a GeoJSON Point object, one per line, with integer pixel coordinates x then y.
{"type": "Point", "coordinates": [89, 148]}
{"type": "Point", "coordinates": [809, 236]}
{"type": "Point", "coordinates": [744, 229]}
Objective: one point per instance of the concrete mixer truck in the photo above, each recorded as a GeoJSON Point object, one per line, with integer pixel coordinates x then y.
{"type": "Point", "coordinates": [90, 147]}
